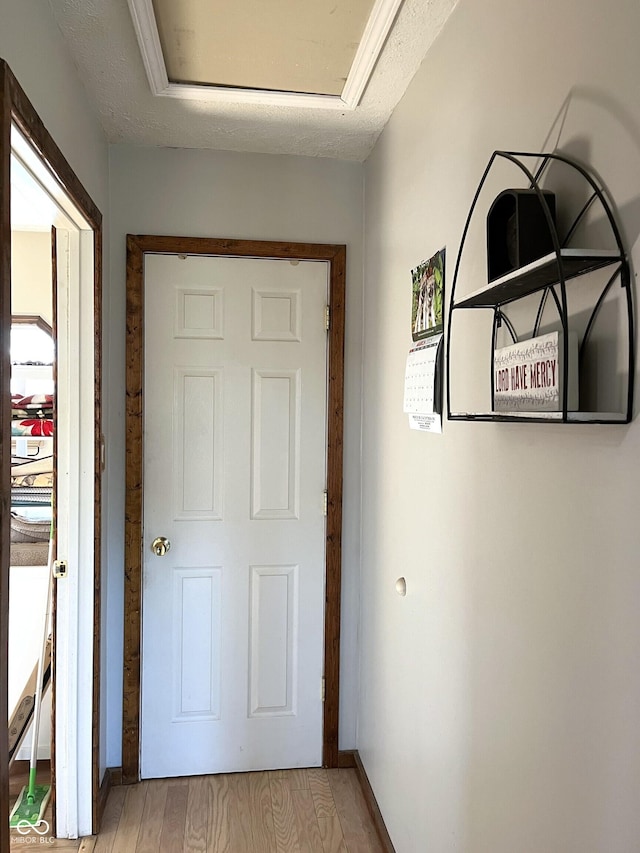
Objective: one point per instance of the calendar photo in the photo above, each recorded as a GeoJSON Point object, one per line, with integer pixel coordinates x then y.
{"type": "Point", "coordinates": [427, 307]}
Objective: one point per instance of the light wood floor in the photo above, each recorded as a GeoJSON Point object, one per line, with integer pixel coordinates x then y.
{"type": "Point", "coordinates": [283, 811]}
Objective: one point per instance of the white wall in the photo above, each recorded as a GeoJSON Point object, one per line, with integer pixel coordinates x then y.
{"type": "Point", "coordinates": [499, 700]}
{"type": "Point", "coordinates": [222, 194]}
{"type": "Point", "coordinates": [33, 47]}
{"type": "Point", "coordinates": [31, 274]}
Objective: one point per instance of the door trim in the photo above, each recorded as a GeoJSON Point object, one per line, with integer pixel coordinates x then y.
{"type": "Point", "coordinates": [335, 256]}
{"type": "Point", "coordinates": [15, 107]}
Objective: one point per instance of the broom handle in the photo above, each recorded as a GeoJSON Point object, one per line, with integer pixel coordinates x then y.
{"type": "Point", "coordinates": [37, 702]}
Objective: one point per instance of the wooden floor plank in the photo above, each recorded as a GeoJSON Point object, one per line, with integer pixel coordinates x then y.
{"type": "Point", "coordinates": [240, 813]}
{"type": "Point", "coordinates": [306, 822]}
{"type": "Point", "coordinates": [321, 790]}
{"type": "Point", "coordinates": [126, 836]}
{"type": "Point", "coordinates": [196, 826]}
{"type": "Point", "coordinates": [110, 820]}
{"type": "Point", "coordinates": [357, 829]}
{"type": "Point", "coordinates": [174, 818]}
{"type": "Point", "coordinates": [284, 820]}
{"type": "Point", "coordinates": [151, 824]}
{"type": "Point", "coordinates": [219, 827]}
{"type": "Point", "coordinates": [331, 834]}
{"type": "Point", "coordinates": [296, 779]}
{"type": "Point", "coordinates": [88, 844]}
{"type": "Point", "coordinates": [262, 831]}
{"type": "Point", "coordinates": [309, 811]}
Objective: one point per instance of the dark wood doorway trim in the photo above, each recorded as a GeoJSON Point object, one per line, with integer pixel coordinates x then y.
{"type": "Point", "coordinates": [335, 256]}
{"type": "Point", "coordinates": [16, 108]}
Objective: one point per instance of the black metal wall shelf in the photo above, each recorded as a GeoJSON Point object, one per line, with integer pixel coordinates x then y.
{"type": "Point", "coordinates": [549, 276]}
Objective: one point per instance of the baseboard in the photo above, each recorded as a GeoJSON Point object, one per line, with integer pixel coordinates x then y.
{"type": "Point", "coordinates": [116, 776]}
{"type": "Point", "coordinates": [112, 777]}
{"type": "Point", "coordinates": [372, 805]}
{"type": "Point", "coordinates": [346, 758]}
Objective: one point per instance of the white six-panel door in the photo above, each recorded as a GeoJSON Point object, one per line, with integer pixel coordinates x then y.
{"type": "Point", "coordinates": [234, 477]}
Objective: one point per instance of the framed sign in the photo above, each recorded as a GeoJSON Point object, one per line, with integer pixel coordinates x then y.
{"type": "Point", "coordinates": [528, 376]}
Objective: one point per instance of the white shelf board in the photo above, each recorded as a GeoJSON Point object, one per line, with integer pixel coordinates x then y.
{"type": "Point", "coordinates": [578, 417]}
{"type": "Point", "coordinates": [572, 417]}
{"type": "Point", "coordinates": [537, 275]}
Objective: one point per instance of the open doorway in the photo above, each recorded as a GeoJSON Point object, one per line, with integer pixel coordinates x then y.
{"type": "Point", "coordinates": [50, 414]}
{"type": "Point", "coordinates": [33, 463]}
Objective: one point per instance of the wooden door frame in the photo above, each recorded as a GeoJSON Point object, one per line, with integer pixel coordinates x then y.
{"type": "Point", "coordinates": [335, 256]}
{"type": "Point", "coordinates": [16, 108]}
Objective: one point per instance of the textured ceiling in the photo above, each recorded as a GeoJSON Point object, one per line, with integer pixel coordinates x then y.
{"type": "Point", "coordinates": [102, 42]}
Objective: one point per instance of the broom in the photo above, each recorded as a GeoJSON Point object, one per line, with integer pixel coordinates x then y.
{"type": "Point", "coordinates": [32, 800]}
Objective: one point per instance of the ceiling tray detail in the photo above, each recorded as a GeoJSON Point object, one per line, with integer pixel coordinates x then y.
{"type": "Point", "coordinates": [375, 33]}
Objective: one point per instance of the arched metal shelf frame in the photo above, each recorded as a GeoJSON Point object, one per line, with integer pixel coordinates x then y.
{"type": "Point", "coordinates": [540, 277]}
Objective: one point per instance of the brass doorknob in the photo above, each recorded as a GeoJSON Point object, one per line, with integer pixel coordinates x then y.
{"type": "Point", "coordinates": [160, 546]}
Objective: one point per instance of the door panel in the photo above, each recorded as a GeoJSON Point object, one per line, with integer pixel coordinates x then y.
{"type": "Point", "coordinates": [275, 426]}
{"type": "Point", "coordinates": [197, 443]}
{"type": "Point", "coordinates": [234, 476]}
